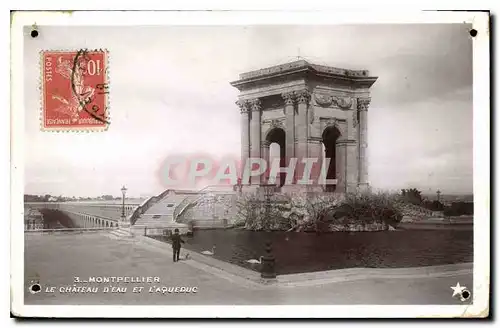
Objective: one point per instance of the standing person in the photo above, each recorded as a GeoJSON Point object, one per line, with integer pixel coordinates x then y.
{"type": "Point", "coordinates": [176, 244]}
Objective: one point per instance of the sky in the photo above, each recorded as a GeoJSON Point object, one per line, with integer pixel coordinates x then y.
{"type": "Point", "coordinates": [170, 93]}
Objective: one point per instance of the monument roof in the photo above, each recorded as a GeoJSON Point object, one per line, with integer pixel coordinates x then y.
{"type": "Point", "coordinates": [302, 65]}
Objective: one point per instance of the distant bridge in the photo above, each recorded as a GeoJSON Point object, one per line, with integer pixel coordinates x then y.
{"type": "Point", "coordinates": [88, 214]}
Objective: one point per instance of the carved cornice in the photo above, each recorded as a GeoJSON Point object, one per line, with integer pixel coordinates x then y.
{"type": "Point", "coordinates": [255, 104]}
{"type": "Point", "coordinates": [363, 103]}
{"type": "Point", "coordinates": [303, 64]}
{"type": "Point", "coordinates": [288, 97]}
{"type": "Point", "coordinates": [303, 96]}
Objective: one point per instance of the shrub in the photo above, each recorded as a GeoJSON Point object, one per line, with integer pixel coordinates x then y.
{"type": "Point", "coordinates": [433, 206]}
{"type": "Point", "coordinates": [373, 207]}
{"type": "Point", "coordinates": [412, 195]}
{"type": "Point", "coordinates": [319, 212]}
{"type": "Point", "coordinates": [253, 212]}
{"type": "Point", "coordinates": [247, 210]}
{"type": "Point", "coordinates": [459, 208]}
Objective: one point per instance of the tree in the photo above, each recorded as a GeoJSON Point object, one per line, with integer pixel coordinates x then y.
{"type": "Point", "coordinates": [433, 205]}
{"type": "Point", "coordinates": [412, 195]}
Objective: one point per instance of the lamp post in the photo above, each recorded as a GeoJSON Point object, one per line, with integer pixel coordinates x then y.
{"type": "Point", "coordinates": [124, 191]}
{"type": "Point", "coordinates": [268, 261]}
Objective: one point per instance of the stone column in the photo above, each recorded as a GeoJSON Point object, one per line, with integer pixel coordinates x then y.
{"type": "Point", "coordinates": [265, 155]}
{"type": "Point", "coordinates": [363, 104]}
{"type": "Point", "coordinates": [255, 125]}
{"type": "Point", "coordinates": [245, 132]}
{"type": "Point", "coordinates": [289, 98]}
{"type": "Point", "coordinates": [350, 165]}
{"type": "Point", "coordinates": [340, 167]}
{"type": "Point", "coordinates": [316, 151]}
{"type": "Point", "coordinates": [303, 98]}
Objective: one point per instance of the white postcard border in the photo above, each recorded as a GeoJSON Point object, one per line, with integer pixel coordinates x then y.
{"type": "Point", "coordinates": [481, 101]}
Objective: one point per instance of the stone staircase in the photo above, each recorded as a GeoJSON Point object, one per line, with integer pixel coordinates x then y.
{"type": "Point", "coordinates": [184, 206]}
{"type": "Point", "coordinates": [176, 208]}
{"type": "Point", "coordinates": [215, 209]}
{"type": "Point", "coordinates": [120, 234]}
{"type": "Point", "coordinates": [161, 214]}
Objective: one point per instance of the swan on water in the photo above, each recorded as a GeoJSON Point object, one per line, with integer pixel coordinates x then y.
{"type": "Point", "coordinates": [209, 252]}
{"type": "Point", "coordinates": [254, 261]}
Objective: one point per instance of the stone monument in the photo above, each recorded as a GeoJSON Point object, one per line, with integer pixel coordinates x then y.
{"type": "Point", "coordinates": [310, 111]}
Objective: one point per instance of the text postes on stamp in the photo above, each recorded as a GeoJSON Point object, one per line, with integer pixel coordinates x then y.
{"type": "Point", "coordinates": [74, 90]}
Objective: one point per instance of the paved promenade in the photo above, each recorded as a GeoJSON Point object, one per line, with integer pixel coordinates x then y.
{"type": "Point", "coordinates": [57, 259]}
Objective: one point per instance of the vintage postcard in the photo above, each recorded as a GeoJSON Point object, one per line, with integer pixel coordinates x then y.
{"type": "Point", "coordinates": [241, 164]}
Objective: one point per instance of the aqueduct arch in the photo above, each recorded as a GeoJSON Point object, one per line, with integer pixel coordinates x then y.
{"type": "Point", "coordinates": [322, 111]}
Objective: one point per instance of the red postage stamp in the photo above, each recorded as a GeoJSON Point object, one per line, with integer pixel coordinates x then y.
{"type": "Point", "coordinates": [75, 90]}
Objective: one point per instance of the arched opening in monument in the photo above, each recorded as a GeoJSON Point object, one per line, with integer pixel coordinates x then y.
{"type": "Point", "coordinates": [276, 140]}
{"type": "Point", "coordinates": [329, 137]}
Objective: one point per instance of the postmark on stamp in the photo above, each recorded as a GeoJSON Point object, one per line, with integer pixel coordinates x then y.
{"type": "Point", "coordinates": [74, 90]}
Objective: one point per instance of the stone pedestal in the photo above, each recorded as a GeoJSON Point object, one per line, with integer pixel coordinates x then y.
{"type": "Point", "coordinates": [124, 223]}
{"type": "Point", "coordinates": [268, 270]}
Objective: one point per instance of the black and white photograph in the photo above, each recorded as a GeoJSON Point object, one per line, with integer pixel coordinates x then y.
{"type": "Point", "coordinates": [164, 161]}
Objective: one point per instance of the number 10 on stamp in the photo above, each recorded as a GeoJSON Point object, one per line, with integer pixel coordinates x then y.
{"type": "Point", "coordinates": [74, 90]}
